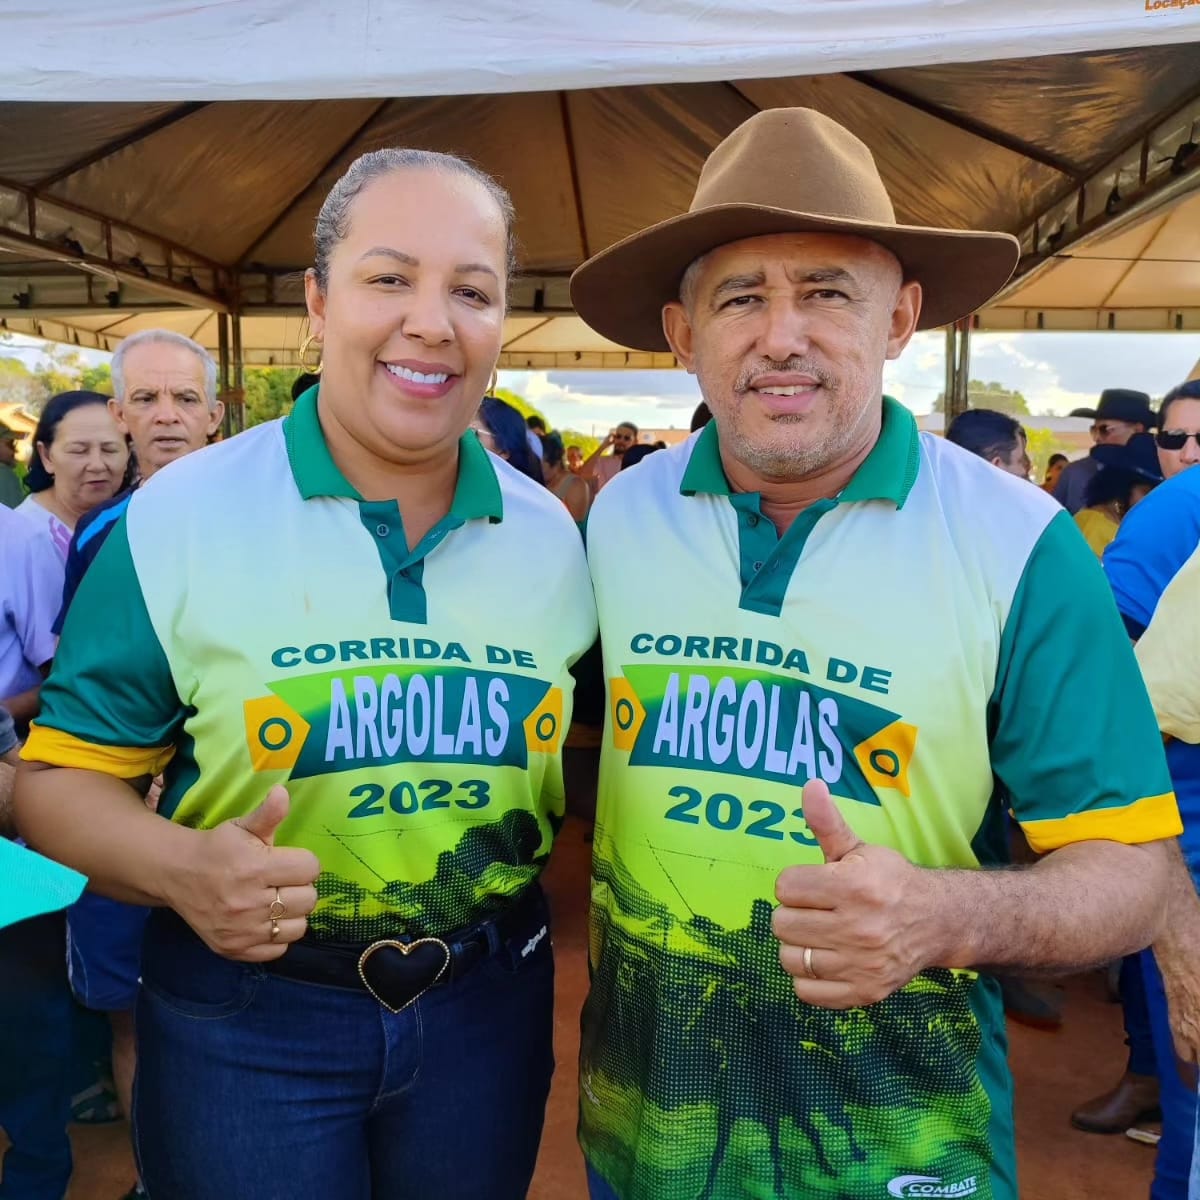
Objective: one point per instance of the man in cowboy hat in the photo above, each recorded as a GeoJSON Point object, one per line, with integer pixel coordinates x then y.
{"type": "Point", "coordinates": [826, 640]}
{"type": "Point", "coordinates": [1120, 414]}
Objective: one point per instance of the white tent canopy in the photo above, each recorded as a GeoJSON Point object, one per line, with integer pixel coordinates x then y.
{"type": "Point", "coordinates": [175, 50]}
{"type": "Point", "coordinates": [173, 168]}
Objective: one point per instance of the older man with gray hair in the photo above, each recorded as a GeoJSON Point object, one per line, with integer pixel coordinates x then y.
{"type": "Point", "coordinates": [165, 400]}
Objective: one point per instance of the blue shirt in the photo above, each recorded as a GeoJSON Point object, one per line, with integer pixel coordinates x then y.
{"type": "Point", "coordinates": [90, 533]}
{"type": "Point", "coordinates": [1154, 541]}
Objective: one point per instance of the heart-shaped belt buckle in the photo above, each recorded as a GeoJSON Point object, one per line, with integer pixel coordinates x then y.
{"type": "Point", "coordinates": [398, 981]}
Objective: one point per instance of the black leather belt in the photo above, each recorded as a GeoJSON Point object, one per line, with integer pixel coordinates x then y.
{"type": "Point", "coordinates": [398, 971]}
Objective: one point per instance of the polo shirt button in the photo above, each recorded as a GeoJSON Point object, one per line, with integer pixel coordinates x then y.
{"type": "Point", "coordinates": [404, 574]}
{"type": "Point", "coordinates": [382, 530]}
{"type": "Point", "coordinates": [753, 520]}
{"type": "Point", "coordinates": [758, 566]}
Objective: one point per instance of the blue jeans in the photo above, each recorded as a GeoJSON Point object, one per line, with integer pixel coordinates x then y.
{"type": "Point", "coordinates": [598, 1187]}
{"type": "Point", "coordinates": [253, 1086]}
{"type": "Point", "coordinates": [1172, 1167]}
{"type": "Point", "coordinates": [1138, 1035]}
{"type": "Point", "coordinates": [37, 1044]}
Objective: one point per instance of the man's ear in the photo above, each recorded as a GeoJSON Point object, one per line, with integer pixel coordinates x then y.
{"type": "Point", "coordinates": [117, 409]}
{"type": "Point", "coordinates": [677, 326]}
{"type": "Point", "coordinates": [215, 415]}
{"type": "Point", "coordinates": [905, 314]}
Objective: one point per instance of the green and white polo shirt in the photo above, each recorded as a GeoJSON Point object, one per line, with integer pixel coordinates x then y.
{"type": "Point", "coordinates": [938, 644]}
{"type": "Point", "coordinates": [253, 621]}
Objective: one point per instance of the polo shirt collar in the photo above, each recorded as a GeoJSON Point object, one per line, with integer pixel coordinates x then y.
{"type": "Point", "coordinates": [887, 473]}
{"type": "Point", "coordinates": [476, 494]}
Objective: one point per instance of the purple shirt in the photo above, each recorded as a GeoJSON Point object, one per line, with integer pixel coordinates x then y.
{"type": "Point", "coordinates": [31, 582]}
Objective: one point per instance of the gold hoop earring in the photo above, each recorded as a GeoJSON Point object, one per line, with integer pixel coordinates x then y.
{"type": "Point", "coordinates": [309, 343]}
{"type": "Point", "coordinates": [495, 380]}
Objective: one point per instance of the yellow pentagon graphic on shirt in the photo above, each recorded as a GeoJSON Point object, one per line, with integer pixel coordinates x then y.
{"type": "Point", "coordinates": [628, 713]}
{"type": "Point", "coordinates": [275, 734]}
{"type": "Point", "coordinates": [885, 757]}
{"type": "Point", "coordinates": [543, 726]}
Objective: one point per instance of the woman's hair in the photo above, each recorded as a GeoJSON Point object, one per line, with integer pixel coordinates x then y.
{"type": "Point", "coordinates": [553, 450]}
{"type": "Point", "coordinates": [333, 221]}
{"type": "Point", "coordinates": [1055, 459]}
{"type": "Point", "coordinates": [511, 435]}
{"type": "Point", "coordinates": [635, 454]}
{"type": "Point", "coordinates": [1114, 483]}
{"type": "Point", "coordinates": [38, 479]}
{"type": "Point", "coordinates": [1185, 391]}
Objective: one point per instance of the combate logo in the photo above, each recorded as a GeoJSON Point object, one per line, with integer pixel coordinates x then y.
{"type": "Point", "coordinates": [372, 716]}
{"type": "Point", "coordinates": [762, 726]}
{"type": "Point", "coordinates": [926, 1186]}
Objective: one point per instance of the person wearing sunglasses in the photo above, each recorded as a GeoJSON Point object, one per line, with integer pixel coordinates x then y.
{"type": "Point", "coordinates": [1116, 418]}
{"type": "Point", "coordinates": [599, 467]}
{"type": "Point", "coordinates": [1178, 437]}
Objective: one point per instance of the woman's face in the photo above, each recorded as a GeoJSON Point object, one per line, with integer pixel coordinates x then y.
{"type": "Point", "coordinates": [87, 458]}
{"type": "Point", "coordinates": [1183, 416]}
{"type": "Point", "coordinates": [411, 320]}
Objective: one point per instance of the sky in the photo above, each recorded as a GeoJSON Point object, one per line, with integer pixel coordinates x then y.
{"type": "Point", "coordinates": [1055, 371]}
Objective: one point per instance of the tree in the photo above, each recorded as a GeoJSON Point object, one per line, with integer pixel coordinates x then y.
{"type": "Point", "coordinates": [59, 370]}
{"type": "Point", "coordinates": [268, 393]}
{"type": "Point", "coordinates": [989, 395]}
{"type": "Point", "coordinates": [97, 379]}
{"type": "Point", "coordinates": [18, 385]}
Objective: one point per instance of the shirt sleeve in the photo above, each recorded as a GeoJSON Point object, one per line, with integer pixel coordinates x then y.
{"type": "Point", "coordinates": [1169, 652]}
{"type": "Point", "coordinates": [110, 703]}
{"type": "Point", "coordinates": [1153, 542]}
{"type": "Point", "coordinates": [1073, 736]}
{"type": "Point", "coordinates": [37, 572]}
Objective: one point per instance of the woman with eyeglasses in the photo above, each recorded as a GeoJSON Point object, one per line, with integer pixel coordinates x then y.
{"type": "Point", "coordinates": [1178, 437]}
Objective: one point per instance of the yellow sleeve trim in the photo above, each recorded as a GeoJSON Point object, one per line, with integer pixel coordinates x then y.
{"type": "Point", "coordinates": [59, 749]}
{"type": "Point", "coordinates": [1147, 820]}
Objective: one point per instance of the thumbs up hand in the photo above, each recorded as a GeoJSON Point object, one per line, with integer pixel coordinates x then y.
{"type": "Point", "coordinates": [247, 898]}
{"type": "Point", "coordinates": [855, 929]}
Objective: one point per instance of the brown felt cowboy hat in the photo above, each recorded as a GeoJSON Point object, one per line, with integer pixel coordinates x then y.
{"type": "Point", "coordinates": [785, 170]}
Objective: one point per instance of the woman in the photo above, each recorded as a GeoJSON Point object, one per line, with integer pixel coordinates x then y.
{"type": "Point", "coordinates": [567, 486]}
{"type": "Point", "coordinates": [1054, 468]}
{"type": "Point", "coordinates": [1178, 437]}
{"type": "Point", "coordinates": [350, 981]}
{"type": "Point", "coordinates": [503, 431]}
{"type": "Point", "coordinates": [1127, 474]}
{"type": "Point", "coordinates": [80, 461]}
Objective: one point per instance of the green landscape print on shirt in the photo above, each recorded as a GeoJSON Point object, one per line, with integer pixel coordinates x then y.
{"type": "Point", "coordinates": [704, 1078]}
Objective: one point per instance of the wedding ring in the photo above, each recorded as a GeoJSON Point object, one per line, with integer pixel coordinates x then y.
{"type": "Point", "coordinates": [278, 908]}
{"type": "Point", "coordinates": [807, 960]}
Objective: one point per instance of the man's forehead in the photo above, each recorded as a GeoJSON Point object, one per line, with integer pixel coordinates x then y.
{"type": "Point", "coordinates": [163, 364]}
{"type": "Point", "coordinates": [798, 251]}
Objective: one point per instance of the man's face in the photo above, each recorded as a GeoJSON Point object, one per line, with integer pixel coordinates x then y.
{"type": "Point", "coordinates": [164, 408]}
{"type": "Point", "coordinates": [1114, 433]}
{"type": "Point", "coordinates": [623, 437]}
{"type": "Point", "coordinates": [787, 335]}
{"type": "Point", "coordinates": [8, 451]}
{"type": "Point", "coordinates": [1018, 462]}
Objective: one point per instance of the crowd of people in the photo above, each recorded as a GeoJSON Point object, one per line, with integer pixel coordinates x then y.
{"type": "Point", "coordinates": [294, 705]}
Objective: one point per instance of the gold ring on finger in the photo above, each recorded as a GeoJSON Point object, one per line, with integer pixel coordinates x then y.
{"type": "Point", "coordinates": [808, 966]}
{"type": "Point", "coordinates": [274, 929]}
{"type": "Point", "coordinates": [278, 908]}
